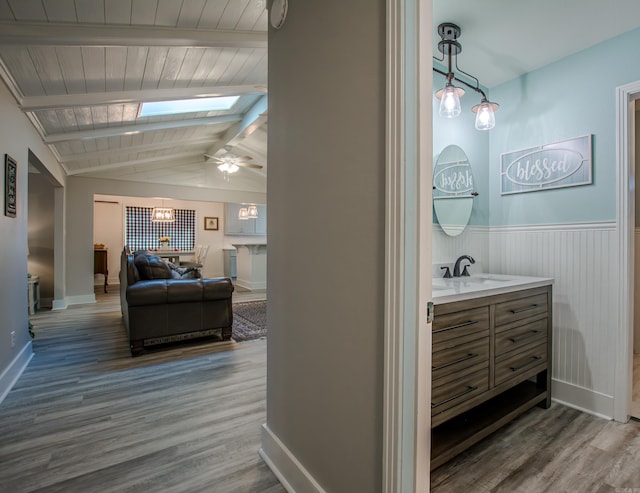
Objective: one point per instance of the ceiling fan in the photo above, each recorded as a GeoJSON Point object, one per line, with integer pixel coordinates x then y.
{"type": "Point", "coordinates": [230, 163]}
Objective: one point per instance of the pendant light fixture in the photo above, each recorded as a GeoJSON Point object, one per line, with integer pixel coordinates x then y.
{"type": "Point", "coordinates": [252, 211]}
{"type": "Point", "coordinates": [248, 211]}
{"type": "Point", "coordinates": [162, 214]}
{"type": "Point", "coordinates": [450, 94]}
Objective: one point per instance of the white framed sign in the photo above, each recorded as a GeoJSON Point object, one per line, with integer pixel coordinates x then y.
{"type": "Point", "coordinates": [567, 163]}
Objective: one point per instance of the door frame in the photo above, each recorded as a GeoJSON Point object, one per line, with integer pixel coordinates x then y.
{"type": "Point", "coordinates": [625, 226]}
{"type": "Point", "coordinates": [408, 237]}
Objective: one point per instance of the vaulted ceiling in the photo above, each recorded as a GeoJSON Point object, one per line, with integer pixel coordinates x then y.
{"type": "Point", "coordinates": [79, 70]}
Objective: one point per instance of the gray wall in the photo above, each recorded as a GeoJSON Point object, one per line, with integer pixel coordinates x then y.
{"type": "Point", "coordinates": [40, 236]}
{"type": "Point", "coordinates": [17, 136]}
{"type": "Point", "coordinates": [326, 239]}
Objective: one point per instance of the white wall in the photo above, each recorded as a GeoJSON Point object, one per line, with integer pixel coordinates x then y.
{"type": "Point", "coordinates": [109, 213]}
{"type": "Point", "coordinates": [17, 136]}
{"type": "Point", "coordinates": [80, 194]}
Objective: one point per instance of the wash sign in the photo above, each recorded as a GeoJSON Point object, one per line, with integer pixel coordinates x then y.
{"type": "Point", "coordinates": [562, 164]}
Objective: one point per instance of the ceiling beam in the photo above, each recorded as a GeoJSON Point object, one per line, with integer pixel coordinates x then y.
{"type": "Point", "coordinates": [48, 34]}
{"type": "Point", "coordinates": [253, 118]}
{"type": "Point", "coordinates": [123, 164]}
{"type": "Point", "coordinates": [168, 144]}
{"type": "Point", "coordinates": [136, 129]}
{"type": "Point", "coordinates": [39, 103]}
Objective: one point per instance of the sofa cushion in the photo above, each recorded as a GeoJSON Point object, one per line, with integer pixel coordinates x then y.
{"type": "Point", "coordinates": [147, 293]}
{"type": "Point", "coordinates": [151, 267]}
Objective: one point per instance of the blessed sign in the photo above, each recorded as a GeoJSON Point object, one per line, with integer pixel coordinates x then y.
{"type": "Point", "coordinates": [561, 164]}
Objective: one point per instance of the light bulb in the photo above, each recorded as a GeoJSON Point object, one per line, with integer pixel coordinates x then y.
{"type": "Point", "coordinates": [485, 115]}
{"type": "Point", "coordinates": [450, 102]}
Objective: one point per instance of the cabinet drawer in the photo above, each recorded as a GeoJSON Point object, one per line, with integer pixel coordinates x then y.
{"type": "Point", "coordinates": [459, 357]}
{"type": "Point", "coordinates": [512, 365]}
{"type": "Point", "coordinates": [521, 336]}
{"type": "Point", "coordinates": [459, 391]}
{"type": "Point", "coordinates": [510, 311]}
{"type": "Point", "coordinates": [462, 323]}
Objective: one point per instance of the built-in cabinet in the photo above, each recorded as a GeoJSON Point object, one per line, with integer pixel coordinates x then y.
{"type": "Point", "coordinates": [491, 362]}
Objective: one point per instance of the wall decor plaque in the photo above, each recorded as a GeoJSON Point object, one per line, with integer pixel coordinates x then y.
{"type": "Point", "coordinates": [10, 186]}
{"type": "Point", "coordinates": [567, 163]}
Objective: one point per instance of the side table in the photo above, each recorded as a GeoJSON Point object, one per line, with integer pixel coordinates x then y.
{"type": "Point", "coordinates": [34, 294]}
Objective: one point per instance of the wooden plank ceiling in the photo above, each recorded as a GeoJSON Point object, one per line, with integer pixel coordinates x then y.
{"type": "Point", "coordinates": [80, 70]}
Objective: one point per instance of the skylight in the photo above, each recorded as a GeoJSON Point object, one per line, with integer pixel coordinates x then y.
{"type": "Point", "coordinates": [159, 108]}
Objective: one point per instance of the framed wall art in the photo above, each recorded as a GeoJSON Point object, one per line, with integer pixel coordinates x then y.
{"type": "Point", "coordinates": [567, 163]}
{"type": "Point", "coordinates": [10, 186]}
{"type": "Point", "coordinates": [211, 223]}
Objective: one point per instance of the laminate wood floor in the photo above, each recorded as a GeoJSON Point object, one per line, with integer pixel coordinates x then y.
{"type": "Point", "coordinates": [86, 417]}
{"type": "Point", "coordinates": [558, 450]}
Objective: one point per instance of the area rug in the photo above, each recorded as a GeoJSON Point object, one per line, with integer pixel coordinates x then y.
{"type": "Point", "coordinates": [249, 320]}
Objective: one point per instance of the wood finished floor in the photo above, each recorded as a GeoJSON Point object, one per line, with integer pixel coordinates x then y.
{"type": "Point", "coordinates": [86, 417]}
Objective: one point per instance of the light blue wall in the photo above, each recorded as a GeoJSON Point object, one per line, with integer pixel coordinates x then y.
{"type": "Point", "coordinates": [461, 131]}
{"type": "Point", "coordinates": [570, 98]}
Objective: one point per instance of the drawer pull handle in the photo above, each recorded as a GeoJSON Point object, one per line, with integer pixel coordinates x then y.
{"type": "Point", "coordinates": [464, 358]}
{"type": "Point", "coordinates": [464, 392]}
{"type": "Point", "coordinates": [520, 310]}
{"type": "Point", "coordinates": [524, 365]}
{"type": "Point", "coordinates": [523, 337]}
{"type": "Point", "coordinates": [463, 324]}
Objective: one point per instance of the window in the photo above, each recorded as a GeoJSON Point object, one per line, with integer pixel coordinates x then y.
{"type": "Point", "coordinates": [143, 234]}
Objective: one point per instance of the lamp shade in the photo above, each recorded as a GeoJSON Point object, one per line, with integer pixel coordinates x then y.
{"type": "Point", "coordinates": [485, 115]}
{"type": "Point", "coordinates": [243, 214]}
{"type": "Point", "coordinates": [162, 215]}
{"type": "Point", "coordinates": [252, 212]}
{"type": "Point", "coordinates": [450, 100]}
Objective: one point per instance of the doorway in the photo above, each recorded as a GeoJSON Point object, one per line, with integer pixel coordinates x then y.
{"type": "Point", "coordinates": [635, 158]}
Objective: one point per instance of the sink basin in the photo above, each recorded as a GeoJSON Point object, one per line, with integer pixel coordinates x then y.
{"type": "Point", "coordinates": [478, 280]}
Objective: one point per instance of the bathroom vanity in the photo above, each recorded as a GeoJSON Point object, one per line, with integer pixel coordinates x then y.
{"type": "Point", "coordinates": [491, 356]}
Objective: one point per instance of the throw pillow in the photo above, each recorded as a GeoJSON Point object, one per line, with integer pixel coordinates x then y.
{"type": "Point", "coordinates": [151, 267]}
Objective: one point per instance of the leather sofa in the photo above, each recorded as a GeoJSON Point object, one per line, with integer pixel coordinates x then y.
{"type": "Point", "coordinates": [158, 308]}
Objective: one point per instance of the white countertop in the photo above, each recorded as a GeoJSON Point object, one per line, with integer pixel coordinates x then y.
{"type": "Point", "coordinates": [479, 285]}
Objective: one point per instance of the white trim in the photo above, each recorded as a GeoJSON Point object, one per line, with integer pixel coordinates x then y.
{"type": "Point", "coordinates": [12, 373]}
{"type": "Point", "coordinates": [81, 299]}
{"type": "Point", "coordinates": [624, 217]}
{"type": "Point", "coordinates": [583, 399]}
{"type": "Point", "coordinates": [284, 465]}
{"type": "Point", "coordinates": [59, 305]}
{"type": "Point", "coordinates": [251, 286]}
{"type": "Point", "coordinates": [586, 226]}
{"type": "Point", "coordinates": [408, 235]}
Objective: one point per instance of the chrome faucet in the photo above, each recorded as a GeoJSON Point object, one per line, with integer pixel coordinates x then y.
{"type": "Point", "coordinates": [456, 267]}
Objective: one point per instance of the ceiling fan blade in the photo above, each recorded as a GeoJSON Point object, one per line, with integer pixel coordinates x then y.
{"type": "Point", "coordinates": [244, 158]}
{"type": "Point", "coordinates": [250, 165]}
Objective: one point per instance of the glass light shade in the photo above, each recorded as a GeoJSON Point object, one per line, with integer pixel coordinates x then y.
{"type": "Point", "coordinates": [252, 212]}
{"type": "Point", "coordinates": [228, 168]}
{"type": "Point", "coordinates": [162, 215]}
{"type": "Point", "coordinates": [450, 101]}
{"type": "Point", "coordinates": [243, 214]}
{"type": "Point", "coordinates": [485, 115]}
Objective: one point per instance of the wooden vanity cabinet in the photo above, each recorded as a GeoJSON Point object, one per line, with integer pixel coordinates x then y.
{"type": "Point", "coordinates": [491, 362]}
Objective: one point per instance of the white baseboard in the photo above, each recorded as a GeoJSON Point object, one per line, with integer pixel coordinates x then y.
{"type": "Point", "coordinates": [251, 286]}
{"type": "Point", "coordinates": [284, 465]}
{"type": "Point", "coordinates": [10, 375]}
{"type": "Point", "coordinates": [59, 304]}
{"type": "Point", "coordinates": [582, 399]}
{"type": "Point", "coordinates": [81, 299]}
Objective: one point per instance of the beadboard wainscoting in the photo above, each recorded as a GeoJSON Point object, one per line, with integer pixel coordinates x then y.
{"type": "Point", "coordinates": [473, 241]}
{"type": "Point", "coordinates": [579, 258]}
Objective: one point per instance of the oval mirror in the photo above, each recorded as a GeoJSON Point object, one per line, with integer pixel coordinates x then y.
{"type": "Point", "coordinates": [453, 190]}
